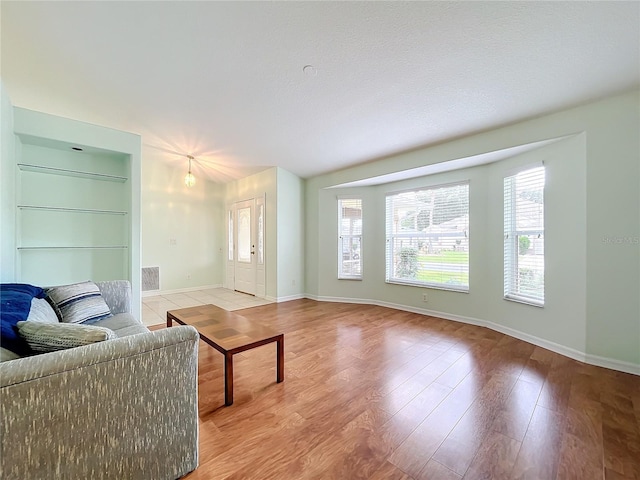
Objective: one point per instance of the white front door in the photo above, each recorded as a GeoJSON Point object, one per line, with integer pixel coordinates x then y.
{"type": "Point", "coordinates": [245, 247]}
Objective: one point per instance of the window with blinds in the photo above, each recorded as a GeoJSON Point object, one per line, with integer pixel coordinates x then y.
{"type": "Point", "coordinates": [524, 236]}
{"type": "Point", "coordinates": [350, 238]}
{"type": "Point", "coordinates": [428, 237]}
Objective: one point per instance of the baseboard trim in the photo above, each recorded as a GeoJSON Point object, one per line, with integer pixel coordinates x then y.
{"type": "Point", "coordinates": [605, 362]}
{"type": "Point", "coordinates": [613, 364]}
{"type": "Point", "coordinates": [288, 298]}
{"type": "Point", "coordinates": [154, 293]}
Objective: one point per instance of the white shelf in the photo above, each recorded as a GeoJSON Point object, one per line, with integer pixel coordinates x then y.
{"type": "Point", "coordinates": [105, 247]}
{"type": "Point", "coordinates": [70, 173]}
{"type": "Point", "coordinates": [72, 210]}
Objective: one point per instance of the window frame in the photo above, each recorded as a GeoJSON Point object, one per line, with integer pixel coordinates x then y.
{"type": "Point", "coordinates": [512, 234]}
{"type": "Point", "coordinates": [389, 237]}
{"type": "Point", "coordinates": [342, 237]}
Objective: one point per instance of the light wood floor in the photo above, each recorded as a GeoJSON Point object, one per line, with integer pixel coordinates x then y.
{"type": "Point", "coordinates": [376, 393]}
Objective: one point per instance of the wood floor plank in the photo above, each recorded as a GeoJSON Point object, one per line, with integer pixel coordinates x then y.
{"type": "Point", "coordinates": [416, 451]}
{"type": "Point", "coordinates": [453, 375]}
{"type": "Point", "coordinates": [621, 435]}
{"type": "Point", "coordinates": [581, 455]}
{"type": "Point", "coordinates": [557, 387]}
{"type": "Point", "coordinates": [436, 471]}
{"type": "Point", "coordinates": [422, 405]}
{"type": "Point", "coordinates": [515, 415]}
{"type": "Point", "coordinates": [539, 454]}
{"type": "Point", "coordinates": [356, 452]}
{"type": "Point", "coordinates": [495, 458]}
{"type": "Point", "coordinates": [371, 392]}
{"type": "Point", "coordinates": [461, 445]}
{"type": "Point", "coordinates": [538, 366]}
{"type": "Point", "coordinates": [388, 471]}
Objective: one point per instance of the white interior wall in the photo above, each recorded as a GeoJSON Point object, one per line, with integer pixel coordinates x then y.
{"type": "Point", "coordinates": [290, 228]}
{"type": "Point", "coordinates": [563, 318]}
{"type": "Point", "coordinates": [182, 227]}
{"type": "Point", "coordinates": [262, 183]}
{"type": "Point", "coordinates": [613, 227]}
{"type": "Point", "coordinates": [593, 259]}
{"type": "Point", "coordinates": [284, 227]}
{"type": "Point", "coordinates": [7, 189]}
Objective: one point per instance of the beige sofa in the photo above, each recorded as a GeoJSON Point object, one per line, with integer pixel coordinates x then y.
{"type": "Point", "coordinates": [125, 408]}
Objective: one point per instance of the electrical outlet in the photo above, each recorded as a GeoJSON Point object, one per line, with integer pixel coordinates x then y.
{"type": "Point", "coordinates": [424, 297]}
{"type": "Point", "coordinates": [172, 241]}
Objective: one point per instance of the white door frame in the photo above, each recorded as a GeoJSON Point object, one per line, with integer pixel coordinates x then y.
{"type": "Point", "coordinates": [242, 276]}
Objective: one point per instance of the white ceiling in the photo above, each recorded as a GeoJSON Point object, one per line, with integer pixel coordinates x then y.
{"type": "Point", "coordinates": [224, 81]}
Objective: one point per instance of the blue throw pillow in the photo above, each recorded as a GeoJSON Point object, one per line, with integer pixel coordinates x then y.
{"type": "Point", "coordinates": [15, 304]}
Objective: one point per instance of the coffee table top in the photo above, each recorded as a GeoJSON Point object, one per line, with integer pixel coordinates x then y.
{"type": "Point", "coordinates": [226, 331]}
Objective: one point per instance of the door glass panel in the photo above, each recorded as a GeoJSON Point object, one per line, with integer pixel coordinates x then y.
{"type": "Point", "coordinates": [230, 257]}
{"type": "Point", "coordinates": [261, 235]}
{"type": "Point", "coordinates": [244, 235]}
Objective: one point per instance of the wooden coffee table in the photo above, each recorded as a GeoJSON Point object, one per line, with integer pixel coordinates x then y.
{"type": "Point", "coordinates": [229, 333]}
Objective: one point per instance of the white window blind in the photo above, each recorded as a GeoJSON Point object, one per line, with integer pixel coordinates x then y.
{"type": "Point", "coordinates": [524, 236]}
{"type": "Point", "coordinates": [428, 237]}
{"type": "Point", "coordinates": [350, 238]}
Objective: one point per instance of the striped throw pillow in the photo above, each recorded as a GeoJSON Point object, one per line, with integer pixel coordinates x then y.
{"type": "Point", "coordinates": [45, 337]}
{"type": "Point", "coordinates": [79, 302]}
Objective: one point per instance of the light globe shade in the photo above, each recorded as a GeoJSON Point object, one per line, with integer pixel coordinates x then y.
{"type": "Point", "coordinates": [189, 180]}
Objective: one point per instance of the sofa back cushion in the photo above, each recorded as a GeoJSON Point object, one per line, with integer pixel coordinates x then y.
{"type": "Point", "coordinates": [78, 302]}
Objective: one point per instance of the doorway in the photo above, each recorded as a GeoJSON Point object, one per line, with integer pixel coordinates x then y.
{"type": "Point", "coordinates": [246, 241]}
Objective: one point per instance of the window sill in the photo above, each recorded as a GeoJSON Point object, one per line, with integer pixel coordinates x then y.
{"type": "Point", "coordinates": [357, 279]}
{"type": "Point", "coordinates": [525, 301]}
{"type": "Point", "coordinates": [434, 287]}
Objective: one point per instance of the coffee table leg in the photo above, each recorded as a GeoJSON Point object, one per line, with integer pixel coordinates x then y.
{"type": "Point", "coordinates": [168, 321]}
{"type": "Point", "coordinates": [228, 379]}
{"type": "Point", "coordinates": [280, 360]}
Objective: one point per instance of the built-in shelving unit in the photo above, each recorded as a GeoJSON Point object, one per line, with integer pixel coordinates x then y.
{"type": "Point", "coordinates": [77, 206]}
{"type": "Point", "coordinates": [71, 222]}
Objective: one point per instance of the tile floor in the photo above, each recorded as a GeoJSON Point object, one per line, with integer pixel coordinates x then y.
{"type": "Point", "coordinates": [154, 309]}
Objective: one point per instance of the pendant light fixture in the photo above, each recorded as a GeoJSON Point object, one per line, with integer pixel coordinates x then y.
{"type": "Point", "coordinates": [189, 179]}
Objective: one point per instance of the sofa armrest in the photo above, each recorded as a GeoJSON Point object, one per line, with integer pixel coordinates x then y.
{"type": "Point", "coordinates": [124, 408]}
{"type": "Point", "coordinates": [117, 295]}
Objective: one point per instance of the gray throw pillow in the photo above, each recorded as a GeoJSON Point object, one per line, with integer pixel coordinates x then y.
{"type": "Point", "coordinates": [49, 337]}
{"type": "Point", "coordinates": [79, 302]}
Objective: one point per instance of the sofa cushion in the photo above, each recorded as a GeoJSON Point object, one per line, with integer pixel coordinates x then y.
{"type": "Point", "coordinates": [15, 305]}
{"type": "Point", "coordinates": [6, 355]}
{"type": "Point", "coordinates": [42, 311]}
{"type": "Point", "coordinates": [117, 295]}
{"type": "Point", "coordinates": [78, 302]}
{"type": "Point", "coordinates": [49, 337]}
{"type": "Point", "coordinates": [123, 324]}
